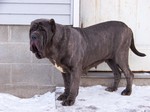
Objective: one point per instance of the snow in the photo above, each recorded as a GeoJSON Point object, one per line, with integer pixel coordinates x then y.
{"type": "Point", "coordinates": [90, 99]}
{"type": "Point", "coordinates": [44, 103]}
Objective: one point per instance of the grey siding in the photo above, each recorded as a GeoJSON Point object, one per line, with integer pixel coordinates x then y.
{"type": "Point", "coordinates": [24, 11]}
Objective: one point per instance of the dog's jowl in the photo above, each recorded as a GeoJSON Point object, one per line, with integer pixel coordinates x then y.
{"type": "Point", "coordinates": [75, 50]}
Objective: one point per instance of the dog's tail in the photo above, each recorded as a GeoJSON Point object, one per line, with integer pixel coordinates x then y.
{"type": "Point", "coordinates": [134, 49]}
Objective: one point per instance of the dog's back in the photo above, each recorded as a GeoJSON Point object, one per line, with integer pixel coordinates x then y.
{"type": "Point", "coordinates": [102, 41]}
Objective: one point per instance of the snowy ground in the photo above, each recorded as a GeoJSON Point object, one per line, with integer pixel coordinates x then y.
{"type": "Point", "coordinates": [90, 99]}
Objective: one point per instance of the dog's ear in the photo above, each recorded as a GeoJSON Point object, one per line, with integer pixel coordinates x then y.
{"type": "Point", "coordinates": [53, 25]}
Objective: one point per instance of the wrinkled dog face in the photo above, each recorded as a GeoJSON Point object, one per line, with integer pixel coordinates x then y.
{"type": "Point", "coordinates": [40, 30]}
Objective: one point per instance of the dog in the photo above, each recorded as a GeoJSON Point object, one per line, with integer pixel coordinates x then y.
{"type": "Point", "coordinates": [75, 50]}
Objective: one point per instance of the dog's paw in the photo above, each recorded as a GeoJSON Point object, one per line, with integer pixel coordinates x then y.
{"type": "Point", "coordinates": [126, 92]}
{"type": "Point", "coordinates": [111, 89]}
{"type": "Point", "coordinates": [68, 102]}
{"type": "Point", "coordinates": [62, 97]}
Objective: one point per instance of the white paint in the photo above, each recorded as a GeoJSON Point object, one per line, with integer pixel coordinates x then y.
{"type": "Point", "coordinates": [75, 13]}
{"type": "Point", "coordinates": [135, 13]}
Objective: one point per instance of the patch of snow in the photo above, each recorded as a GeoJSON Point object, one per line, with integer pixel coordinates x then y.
{"type": "Point", "coordinates": [90, 99]}
{"type": "Point", "coordinates": [43, 103]}
{"type": "Point", "coordinates": [96, 99]}
{"type": "Point", "coordinates": [146, 73]}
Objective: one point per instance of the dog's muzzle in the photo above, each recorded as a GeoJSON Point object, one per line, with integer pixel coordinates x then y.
{"type": "Point", "coordinates": [35, 46]}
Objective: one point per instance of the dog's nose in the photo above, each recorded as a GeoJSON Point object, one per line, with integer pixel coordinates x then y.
{"type": "Point", "coordinates": [33, 37]}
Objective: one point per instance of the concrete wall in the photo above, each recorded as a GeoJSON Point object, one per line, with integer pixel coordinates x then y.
{"type": "Point", "coordinates": [20, 71]}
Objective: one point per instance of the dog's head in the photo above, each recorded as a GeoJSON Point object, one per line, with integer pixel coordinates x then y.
{"type": "Point", "coordinates": [41, 32]}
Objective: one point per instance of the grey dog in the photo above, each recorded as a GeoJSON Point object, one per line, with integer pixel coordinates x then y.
{"type": "Point", "coordinates": [76, 50]}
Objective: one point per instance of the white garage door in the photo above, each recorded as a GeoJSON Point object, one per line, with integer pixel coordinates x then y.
{"type": "Point", "coordinates": [135, 13]}
{"type": "Point", "coordinates": [24, 11]}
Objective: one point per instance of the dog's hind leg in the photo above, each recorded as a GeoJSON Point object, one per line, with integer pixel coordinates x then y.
{"type": "Point", "coordinates": [117, 75]}
{"type": "Point", "coordinates": [122, 61]}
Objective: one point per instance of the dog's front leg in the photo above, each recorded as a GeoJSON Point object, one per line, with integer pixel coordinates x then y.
{"type": "Point", "coordinates": [67, 79]}
{"type": "Point", "coordinates": [75, 81]}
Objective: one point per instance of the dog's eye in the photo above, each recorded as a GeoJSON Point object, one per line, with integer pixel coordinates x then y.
{"type": "Point", "coordinates": [41, 28]}
{"type": "Point", "coordinates": [34, 27]}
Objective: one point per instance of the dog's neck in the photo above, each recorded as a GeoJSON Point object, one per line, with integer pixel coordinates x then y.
{"type": "Point", "coordinates": [58, 43]}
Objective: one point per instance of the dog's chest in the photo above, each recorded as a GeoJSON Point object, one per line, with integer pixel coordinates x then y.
{"type": "Point", "coordinates": [58, 67]}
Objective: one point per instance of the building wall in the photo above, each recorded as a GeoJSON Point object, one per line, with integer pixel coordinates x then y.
{"type": "Point", "coordinates": [24, 11]}
{"type": "Point", "coordinates": [18, 66]}
{"type": "Point", "coordinates": [21, 73]}
{"type": "Point", "coordinates": [135, 13]}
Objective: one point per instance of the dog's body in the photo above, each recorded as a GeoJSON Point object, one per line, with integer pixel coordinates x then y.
{"type": "Point", "coordinates": [75, 50]}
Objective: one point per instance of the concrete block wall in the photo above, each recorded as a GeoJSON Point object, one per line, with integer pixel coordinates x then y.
{"type": "Point", "coordinates": [21, 73]}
